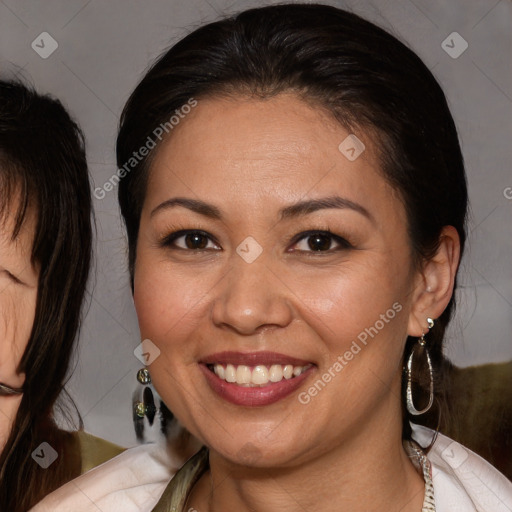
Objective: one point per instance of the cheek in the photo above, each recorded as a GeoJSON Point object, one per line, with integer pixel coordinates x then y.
{"type": "Point", "coordinates": [17, 311]}
{"type": "Point", "coordinates": [169, 308]}
{"type": "Point", "coordinates": [167, 302]}
{"type": "Point", "coordinates": [352, 303]}
{"type": "Point", "coordinates": [359, 322]}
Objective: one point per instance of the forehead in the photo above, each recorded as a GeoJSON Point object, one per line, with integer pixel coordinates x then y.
{"type": "Point", "coordinates": [17, 228]}
{"type": "Point", "coordinates": [249, 152]}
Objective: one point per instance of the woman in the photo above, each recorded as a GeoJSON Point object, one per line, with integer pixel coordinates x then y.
{"type": "Point", "coordinates": [294, 245]}
{"type": "Point", "coordinates": [45, 251]}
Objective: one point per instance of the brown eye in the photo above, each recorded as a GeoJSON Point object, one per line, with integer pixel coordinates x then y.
{"type": "Point", "coordinates": [196, 241]}
{"type": "Point", "coordinates": [189, 240]}
{"type": "Point", "coordinates": [320, 241]}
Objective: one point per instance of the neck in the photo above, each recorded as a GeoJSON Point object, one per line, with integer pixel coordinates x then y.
{"type": "Point", "coordinates": [369, 470]}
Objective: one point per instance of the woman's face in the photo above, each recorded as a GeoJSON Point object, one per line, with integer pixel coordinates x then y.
{"type": "Point", "coordinates": [18, 294]}
{"type": "Point", "coordinates": [237, 278]}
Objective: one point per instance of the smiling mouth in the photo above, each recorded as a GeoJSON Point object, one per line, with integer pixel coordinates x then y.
{"type": "Point", "coordinates": [256, 376]}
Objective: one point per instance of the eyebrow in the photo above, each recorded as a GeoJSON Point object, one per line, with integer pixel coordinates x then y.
{"type": "Point", "coordinates": [313, 205]}
{"type": "Point", "coordinates": [208, 210]}
{"type": "Point", "coordinates": [294, 210]}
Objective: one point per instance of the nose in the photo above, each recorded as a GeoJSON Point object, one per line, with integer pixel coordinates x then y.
{"type": "Point", "coordinates": [251, 299]}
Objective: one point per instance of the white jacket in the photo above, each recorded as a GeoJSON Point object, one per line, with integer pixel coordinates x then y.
{"type": "Point", "coordinates": [134, 481]}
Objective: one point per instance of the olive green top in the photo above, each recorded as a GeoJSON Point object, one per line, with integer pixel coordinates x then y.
{"type": "Point", "coordinates": [94, 450]}
{"type": "Point", "coordinates": [177, 492]}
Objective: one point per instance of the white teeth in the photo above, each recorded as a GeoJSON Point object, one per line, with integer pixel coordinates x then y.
{"type": "Point", "coordinates": [258, 375]}
{"type": "Point", "coordinates": [288, 371]}
{"type": "Point", "coordinates": [220, 371]}
{"type": "Point", "coordinates": [230, 373]}
{"type": "Point", "coordinates": [243, 374]}
{"type": "Point", "coordinates": [297, 371]}
{"type": "Point", "coordinates": [276, 373]}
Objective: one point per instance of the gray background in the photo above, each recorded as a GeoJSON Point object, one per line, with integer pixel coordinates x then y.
{"type": "Point", "coordinates": [104, 48]}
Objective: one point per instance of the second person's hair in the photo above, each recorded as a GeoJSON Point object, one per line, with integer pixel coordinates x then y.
{"type": "Point", "coordinates": [43, 169]}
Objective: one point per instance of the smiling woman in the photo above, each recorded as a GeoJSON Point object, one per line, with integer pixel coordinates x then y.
{"type": "Point", "coordinates": [298, 234]}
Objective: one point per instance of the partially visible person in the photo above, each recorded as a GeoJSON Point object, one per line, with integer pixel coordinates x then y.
{"type": "Point", "coordinates": [45, 254]}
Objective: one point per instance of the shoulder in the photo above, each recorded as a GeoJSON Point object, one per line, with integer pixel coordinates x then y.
{"type": "Point", "coordinates": [462, 480]}
{"type": "Point", "coordinates": [132, 482]}
{"type": "Point", "coordinates": [94, 450]}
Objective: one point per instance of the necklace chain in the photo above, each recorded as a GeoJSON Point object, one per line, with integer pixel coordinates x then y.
{"type": "Point", "coordinates": [425, 467]}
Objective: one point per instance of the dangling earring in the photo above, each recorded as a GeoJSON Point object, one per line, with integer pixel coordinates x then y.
{"type": "Point", "coordinates": [145, 405]}
{"type": "Point", "coordinates": [410, 404]}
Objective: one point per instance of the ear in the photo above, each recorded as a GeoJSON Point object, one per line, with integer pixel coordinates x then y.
{"type": "Point", "coordinates": [434, 283]}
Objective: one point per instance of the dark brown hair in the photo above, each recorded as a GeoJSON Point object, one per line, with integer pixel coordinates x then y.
{"type": "Point", "coordinates": [365, 77]}
{"type": "Point", "coordinates": [43, 168]}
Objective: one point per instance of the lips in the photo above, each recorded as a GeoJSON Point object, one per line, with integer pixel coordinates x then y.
{"type": "Point", "coordinates": [256, 378]}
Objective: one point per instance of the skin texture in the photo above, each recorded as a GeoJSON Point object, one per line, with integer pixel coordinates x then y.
{"type": "Point", "coordinates": [18, 294]}
{"type": "Point", "coordinates": [250, 158]}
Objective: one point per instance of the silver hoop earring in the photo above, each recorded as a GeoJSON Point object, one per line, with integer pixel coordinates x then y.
{"type": "Point", "coordinates": [409, 400]}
